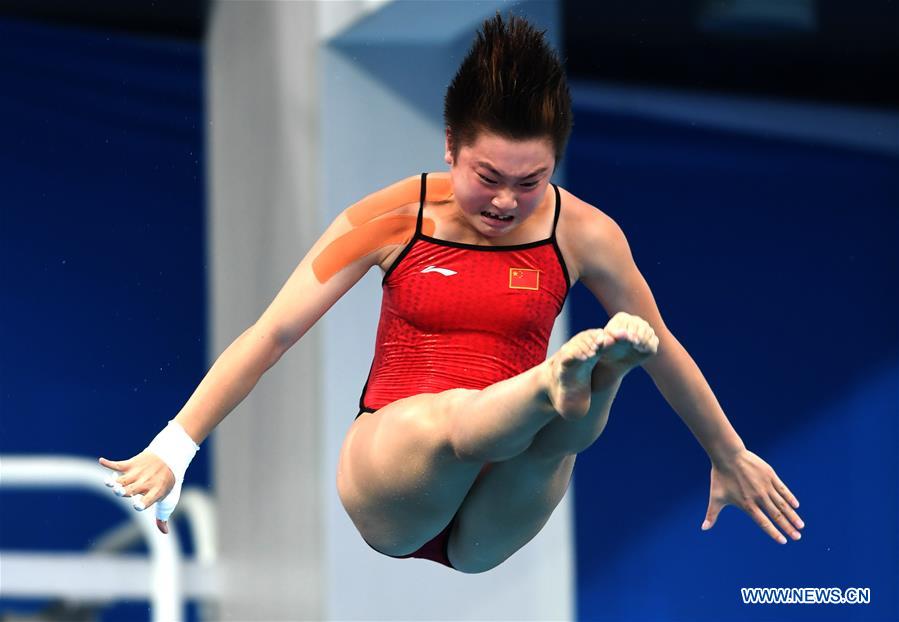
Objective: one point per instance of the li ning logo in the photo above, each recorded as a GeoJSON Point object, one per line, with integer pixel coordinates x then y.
{"type": "Point", "coordinates": [443, 271]}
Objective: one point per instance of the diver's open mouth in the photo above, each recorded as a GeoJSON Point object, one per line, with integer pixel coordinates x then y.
{"type": "Point", "coordinates": [493, 216]}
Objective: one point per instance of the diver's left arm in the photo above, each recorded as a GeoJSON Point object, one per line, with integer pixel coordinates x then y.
{"type": "Point", "coordinates": [739, 477]}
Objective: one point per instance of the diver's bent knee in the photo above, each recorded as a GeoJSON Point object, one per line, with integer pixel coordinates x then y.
{"type": "Point", "coordinates": [421, 421]}
{"type": "Point", "coordinates": [454, 406]}
{"type": "Point", "coordinates": [471, 565]}
{"type": "Point", "coordinates": [457, 410]}
{"type": "Point", "coordinates": [473, 569]}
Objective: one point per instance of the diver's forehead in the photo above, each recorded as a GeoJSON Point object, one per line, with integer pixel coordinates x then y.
{"type": "Point", "coordinates": [510, 158]}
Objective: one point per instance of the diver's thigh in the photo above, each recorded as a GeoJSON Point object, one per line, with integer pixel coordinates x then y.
{"type": "Point", "coordinates": [398, 476]}
{"type": "Point", "coordinates": [506, 509]}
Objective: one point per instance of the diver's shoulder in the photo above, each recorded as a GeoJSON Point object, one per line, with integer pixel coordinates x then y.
{"type": "Point", "coordinates": [582, 216]}
{"type": "Point", "coordinates": [405, 193]}
{"type": "Point", "coordinates": [584, 230]}
{"type": "Point", "coordinates": [393, 198]}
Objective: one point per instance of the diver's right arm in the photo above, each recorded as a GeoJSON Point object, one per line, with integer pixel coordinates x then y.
{"type": "Point", "coordinates": [296, 308]}
{"type": "Point", "coordinates": [336, 262]}
{"type": "Point", "coordinates": [354, 242]}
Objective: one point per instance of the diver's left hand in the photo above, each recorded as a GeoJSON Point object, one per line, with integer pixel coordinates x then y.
{"type": "Point", "coordinates": [748, 482]}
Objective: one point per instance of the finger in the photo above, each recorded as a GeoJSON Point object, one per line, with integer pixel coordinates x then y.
{"type": "Point", "coordinates": [123, 480]}
{"type": "Point", "coordinates": [781, 488]}
{"type": "Point", "coordinates": [716, 504]}
{"type": "Point", "coordinates": [711, 514]}
{"type": "Point", "coordinates": [784, 507]}
{"type": "Point", "coordinates": [165, 506]}
{"type": "Point", "coordinates": [115, 465]}
{"type": "Point", "coordinates": [780, 519]}
{"type": "Point", "coordinates": [138, 502]}
{"type": "Point", "coordinates": [767, 526]}
{"type": "Point", "coordinates": [133, 489]}
{"type": "Point", "coordinates": [150, 497]}
{"type": "Point", "coordinates": [119, 484]}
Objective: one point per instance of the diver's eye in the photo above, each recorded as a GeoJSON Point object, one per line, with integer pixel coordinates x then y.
{"type": "Point", "coordinates": [530, 184]}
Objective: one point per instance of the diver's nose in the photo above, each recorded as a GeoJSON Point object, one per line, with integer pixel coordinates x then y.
{"type": "Point", "coordinates": [505, 201]}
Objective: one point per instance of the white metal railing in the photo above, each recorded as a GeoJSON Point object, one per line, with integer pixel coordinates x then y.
{"type": "Point", "coordinates": [164, 580]}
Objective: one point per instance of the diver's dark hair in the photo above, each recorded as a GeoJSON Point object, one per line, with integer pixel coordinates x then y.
{"type": "Point", "coordinates": [512, 84]}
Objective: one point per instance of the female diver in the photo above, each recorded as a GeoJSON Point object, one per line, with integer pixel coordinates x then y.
{"type": "Point", "coordinates": [467, 434]}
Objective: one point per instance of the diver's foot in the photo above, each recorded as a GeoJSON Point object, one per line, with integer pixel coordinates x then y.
{"type": "Point", "coordinates": [634, 341]}
{"type": "Point", "coordinates": [569, 371]}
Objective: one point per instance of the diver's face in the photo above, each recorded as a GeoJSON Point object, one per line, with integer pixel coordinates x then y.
{"type": "Point", "coordinates": [498, 183]}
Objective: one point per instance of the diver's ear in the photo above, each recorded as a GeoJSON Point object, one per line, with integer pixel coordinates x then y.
{"type": "Point", "coordinates": [448, 148]}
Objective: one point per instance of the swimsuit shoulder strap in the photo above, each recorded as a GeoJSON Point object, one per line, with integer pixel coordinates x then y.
{"type": "Point", "coordinates": [555, 242]}
{"type": "Point", "coordinates": [416, 236]}
{"type": "Point", "coordinates": [558, 210]}
{"type": "Point", "coordinates": [421, 203]}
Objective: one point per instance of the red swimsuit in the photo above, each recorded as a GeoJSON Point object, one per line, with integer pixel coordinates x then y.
{"type": "Point", "coordinates": [463, 316]}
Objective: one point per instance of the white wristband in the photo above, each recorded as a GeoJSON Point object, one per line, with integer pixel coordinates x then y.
{"type": "Point", "coordinates": [175, 447]}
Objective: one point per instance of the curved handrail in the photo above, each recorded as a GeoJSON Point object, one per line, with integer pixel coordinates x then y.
{"type": "Point", "coordinates": [54, 471]}
{"type": "Point", "coordinates": [200, 513]}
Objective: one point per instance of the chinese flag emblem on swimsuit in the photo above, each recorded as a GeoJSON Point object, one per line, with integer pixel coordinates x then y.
{"type": "Point", "coordinates": [524, 278]}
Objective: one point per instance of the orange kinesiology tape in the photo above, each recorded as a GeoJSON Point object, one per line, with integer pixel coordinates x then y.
{"type": "Point", "coordinates": [373, 230]}
{"type": "Point", "coordinates": [400, 193]}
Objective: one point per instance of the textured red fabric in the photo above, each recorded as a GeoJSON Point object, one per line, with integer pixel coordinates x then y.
{"type": "Point", "coordinates": [487, 321]}
{"type": "Point", "coordinates": [462, 316]}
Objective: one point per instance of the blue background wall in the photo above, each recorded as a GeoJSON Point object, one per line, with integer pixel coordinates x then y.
{"type": "Point", "coordinates": [774, 262]}
{"type": "Point", "coordinates": [102, 255]}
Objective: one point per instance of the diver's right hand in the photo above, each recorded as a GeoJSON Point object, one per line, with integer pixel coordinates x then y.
{"type": "Point", "coordinates": [155, 475]}
{"type": "Point", "coordinates": [149, 479]}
